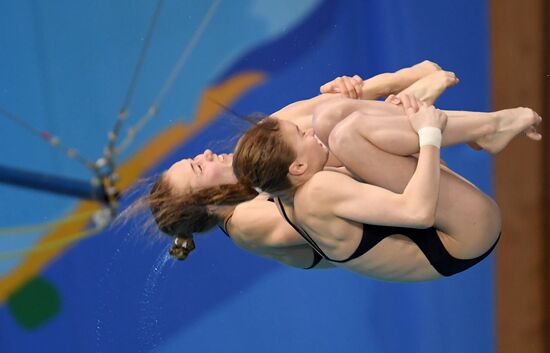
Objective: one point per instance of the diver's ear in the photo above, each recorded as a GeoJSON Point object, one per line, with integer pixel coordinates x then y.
{"type": "Point", "coordinates": [297, 168]}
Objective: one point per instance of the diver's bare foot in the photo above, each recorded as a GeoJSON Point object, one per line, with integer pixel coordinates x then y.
{"type": "Point", "coordinates": [424, 68]}
{"type": "Point", "coordinates": [430, 87]}
{"type": "Point", "coordinates": [509, 123]}
{"type": "Point", "coordinates": [418, 71]}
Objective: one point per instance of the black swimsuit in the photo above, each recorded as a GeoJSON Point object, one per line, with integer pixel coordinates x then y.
{"type": "Point", "coordinates": [316, 256]}
{"type": "Point", "coordinates": [426, 239]}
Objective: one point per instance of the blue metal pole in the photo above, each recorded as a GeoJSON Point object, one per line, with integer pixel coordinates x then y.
{"type": "Point", "coordinates": [53, 184]}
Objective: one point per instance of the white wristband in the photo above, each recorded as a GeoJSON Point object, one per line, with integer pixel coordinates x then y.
{"type": "Point", "coordinates": [429, 136]}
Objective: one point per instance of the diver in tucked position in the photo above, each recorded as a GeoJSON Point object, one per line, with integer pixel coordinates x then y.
{"type": "Point", "coordinates": [386, 214]}
{"type": "Point", "coordinates": [187, 198]}
{"type": "Point", "coordinates": [197, 194]}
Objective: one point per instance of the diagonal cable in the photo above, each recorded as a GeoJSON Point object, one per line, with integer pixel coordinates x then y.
{"type": "Point", "coordinates": [142, 55]}
{"type": "Point", "coordinates": [53, 140]}
{"type": "Point", "coordinates": [123, 112]}
{"type": "Point", "coordinates": [186, 53]}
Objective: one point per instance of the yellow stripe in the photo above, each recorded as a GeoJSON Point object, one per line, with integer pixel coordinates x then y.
{"type": "Point", "coordinates": [51, 245]}
{"type": "Point", "coordinates": [33, 228]}
{"type": "Point", "coordinates": [225, 93]}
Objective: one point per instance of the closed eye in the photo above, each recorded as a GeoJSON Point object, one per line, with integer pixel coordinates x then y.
{"type": "Point", "coordinates": [196, 167]}
{"type": "Point", "coordinates": [302, 133]}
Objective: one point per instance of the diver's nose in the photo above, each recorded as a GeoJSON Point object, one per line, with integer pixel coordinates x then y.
{"type": "Point", "coordinates": [208, 155]}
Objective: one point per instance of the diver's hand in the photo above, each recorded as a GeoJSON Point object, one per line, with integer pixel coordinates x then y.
{"type": "Point", "coordinates": [427, 116]}
{"type": "Point", "coordinates": [348, 86]}
{"type": "Point", "coordinates": [407, 101]}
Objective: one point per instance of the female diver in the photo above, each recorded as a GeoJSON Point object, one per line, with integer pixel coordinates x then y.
{"type": "Point", "coordinates": [197, 194]}
{"type": "Point", "coordinates": [420, 222]}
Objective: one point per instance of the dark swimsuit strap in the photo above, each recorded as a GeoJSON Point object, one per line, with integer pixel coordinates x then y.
{"type": "Point", "coordinates": [301, 231]}
{"type": "Point", "coordinates": [316, 257]}
{"type": "Point", "coordinates": [367, 241]}
{"type": "Point", "coordinates": [426, 239]}
{"type": "Point", "coordinates": [224, 227]}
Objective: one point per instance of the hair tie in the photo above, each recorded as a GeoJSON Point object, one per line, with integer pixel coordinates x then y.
{"type": "Point", "coordinates": [181, 248]}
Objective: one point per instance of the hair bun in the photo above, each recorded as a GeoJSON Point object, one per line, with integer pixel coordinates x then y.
{"type": "Point", "coordinates": [181, 248]}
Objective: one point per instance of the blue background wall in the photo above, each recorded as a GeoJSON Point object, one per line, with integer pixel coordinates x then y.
{"type": "Point", "coordinates": [65, 66]}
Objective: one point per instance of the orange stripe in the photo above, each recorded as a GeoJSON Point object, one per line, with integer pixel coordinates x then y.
{"type": "Point", "coordinates": [225, 93]}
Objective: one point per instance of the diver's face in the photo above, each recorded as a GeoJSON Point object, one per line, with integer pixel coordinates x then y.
{"type": "Point", "coordinates": [308, 148]}
{"type": "Point", "coordinates": [205, 170]}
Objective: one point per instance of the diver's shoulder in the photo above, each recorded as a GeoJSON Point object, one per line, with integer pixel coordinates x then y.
{"type": "Point", "coordinates": [251, 220]}
{"type": "Point", "coordinates": [324, 179]}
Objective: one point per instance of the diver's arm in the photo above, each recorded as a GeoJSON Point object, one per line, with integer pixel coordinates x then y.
{"type": "Point", "coordinates": [365, 203]}
{"type": "Point", "coordinates": [381, 85]}
{"type": "Point", "coordinates": [427, 89]}
{"type": "Point", "coordinates": [369, 204]}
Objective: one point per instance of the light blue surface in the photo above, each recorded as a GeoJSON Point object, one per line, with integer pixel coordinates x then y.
{"type": "Point", "coordinates": [69, 69]}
